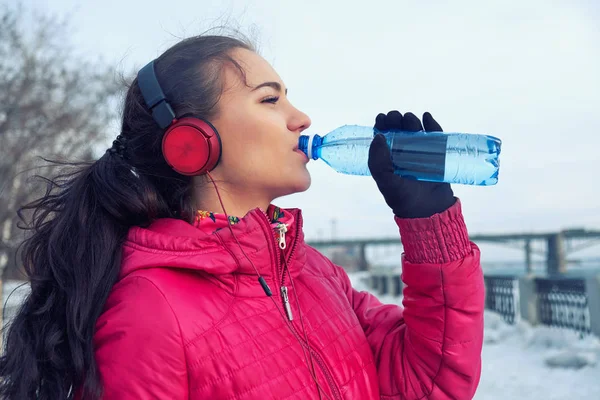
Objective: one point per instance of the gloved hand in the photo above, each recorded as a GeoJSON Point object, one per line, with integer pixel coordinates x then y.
{"type": "Point", "coordinates": [408, 198]}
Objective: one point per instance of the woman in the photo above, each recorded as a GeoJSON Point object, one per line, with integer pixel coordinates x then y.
{"type": "Point", "coordinates": [148, 283]}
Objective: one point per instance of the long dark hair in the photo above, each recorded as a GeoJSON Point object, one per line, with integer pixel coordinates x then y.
{"type": "Point", "coordinates": [72, 258]}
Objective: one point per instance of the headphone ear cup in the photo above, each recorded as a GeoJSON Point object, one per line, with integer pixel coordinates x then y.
{"type": "Point", "coordinates": [191, 146]}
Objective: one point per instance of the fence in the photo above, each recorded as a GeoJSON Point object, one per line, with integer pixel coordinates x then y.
{"type": "Point", "coordinates": [502, 296]}
{"type": "Point", "coordinates": [564, 303]}
{"type": "Point", "coordinates": [386, 282]}
{"type": "Point", "coordinates": [572, 303]}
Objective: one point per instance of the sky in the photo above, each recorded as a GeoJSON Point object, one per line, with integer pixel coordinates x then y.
{"type": "Point", "coordinates": [524, 71]}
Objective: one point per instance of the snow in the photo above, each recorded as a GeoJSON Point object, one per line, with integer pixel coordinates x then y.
{"type": "Point", "coordinates": [521, 362]}
{"type": "Point", "coordinates": [525, 362]}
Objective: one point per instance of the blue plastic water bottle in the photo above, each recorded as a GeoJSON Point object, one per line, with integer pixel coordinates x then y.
{"type": "Point", "coordinates": [428, 156]}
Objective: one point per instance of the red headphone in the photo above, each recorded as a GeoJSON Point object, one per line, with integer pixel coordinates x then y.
{"type": "Point", "coordinates": [190, 145]}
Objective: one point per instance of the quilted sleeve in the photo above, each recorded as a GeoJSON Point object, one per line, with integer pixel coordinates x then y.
{"type": "Point", "coordinates": [138, 346]}
{"type": "Point", "coordinates": [432, 348]}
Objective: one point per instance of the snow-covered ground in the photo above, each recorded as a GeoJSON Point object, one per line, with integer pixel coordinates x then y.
{"type": "Point", "coordinates": [521, 362]}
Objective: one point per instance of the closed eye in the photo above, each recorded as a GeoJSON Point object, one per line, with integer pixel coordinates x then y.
{"type": "Point", "coordinates": [272, 100]}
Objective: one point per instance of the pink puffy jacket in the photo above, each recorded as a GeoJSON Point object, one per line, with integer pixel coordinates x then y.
{"type": "Point", "coordinates": [188, 318]}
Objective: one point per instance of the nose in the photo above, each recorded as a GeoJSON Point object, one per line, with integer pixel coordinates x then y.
{"type": "Point", "coordinates": [299, 121]}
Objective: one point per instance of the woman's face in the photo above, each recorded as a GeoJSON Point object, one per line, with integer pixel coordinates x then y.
{"type": "Point", "coordinates": [259, 130]}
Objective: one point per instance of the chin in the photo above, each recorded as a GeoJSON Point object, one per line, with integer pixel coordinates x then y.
{"type": "Point", "coordinates": [302, 188]}
{"type": "Point", "coordinates": [301, 183]}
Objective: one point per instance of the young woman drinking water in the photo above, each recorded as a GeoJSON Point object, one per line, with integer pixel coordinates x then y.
{"type": "Point", "coordinates": [163, 270]}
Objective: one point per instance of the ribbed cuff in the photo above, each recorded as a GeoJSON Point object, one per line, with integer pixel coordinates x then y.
{"type": "Point", "coordinates": [439, 239]}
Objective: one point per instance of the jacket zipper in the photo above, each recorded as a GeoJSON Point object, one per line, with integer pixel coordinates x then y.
{"type": "Point", "coordinates": [282, 228]}
{"type": "Point", "coordinates": [332, 385]}
{"type": "Point", "coordinates": [334, 390]}
{"type": "Point", "coordinates": [286, 303]}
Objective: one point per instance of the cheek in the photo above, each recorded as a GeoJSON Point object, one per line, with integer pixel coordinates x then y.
{"type": "Point", "coordinates": [252, 155]}
{"type": "Point", "coordinates": [255, 150]}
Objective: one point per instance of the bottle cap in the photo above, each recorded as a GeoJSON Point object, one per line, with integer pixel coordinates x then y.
{"type": "Point", "coordinates": [309, 148]}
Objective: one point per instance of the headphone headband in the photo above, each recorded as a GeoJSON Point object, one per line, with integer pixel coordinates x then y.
{"type": "Point", "coordinates": [154, 97]}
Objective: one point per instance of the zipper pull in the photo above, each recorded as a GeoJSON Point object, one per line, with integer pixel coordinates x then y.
{"type": "Point", "coordinates": [286, 302]}
{"type": "Point", "coordinates": [282, 230]}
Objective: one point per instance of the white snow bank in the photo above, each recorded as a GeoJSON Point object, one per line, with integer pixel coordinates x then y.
{"type": "Point", "coordinates": [570, 359]}
{"type": "Point", "coordinates": [561, 348]}
{"type": "Point", "coordinates": [497, 330]}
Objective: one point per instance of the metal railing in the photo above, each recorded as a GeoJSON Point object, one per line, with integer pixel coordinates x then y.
{"type": "Point", "coordinates": [502, 296]}
{"type": "Point", "coordinates": [560, 302]}
{"type": "Point", "coordinates": [563, 303]}
{"type": "Point", "coordinates": [387, 284]}
{"type": "Point", "coordinates": [397, 285]}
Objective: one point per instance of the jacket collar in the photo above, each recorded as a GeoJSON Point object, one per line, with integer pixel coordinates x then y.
{"type": "Point", "coordinates": [176, 244]}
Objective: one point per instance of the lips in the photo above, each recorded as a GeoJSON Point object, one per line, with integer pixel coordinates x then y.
{"type": "Point", "coordinates": [298, 151]}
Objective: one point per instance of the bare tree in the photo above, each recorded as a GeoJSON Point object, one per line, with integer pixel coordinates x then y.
{"type": "Point", "coordinates": [53, 103]}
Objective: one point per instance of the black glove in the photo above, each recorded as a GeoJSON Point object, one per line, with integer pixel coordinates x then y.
{"type": "Point", "coordinates": [408, 198]}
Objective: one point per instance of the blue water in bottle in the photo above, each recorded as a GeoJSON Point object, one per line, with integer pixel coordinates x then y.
{"type": "Point", "coordinates": [428, 156]}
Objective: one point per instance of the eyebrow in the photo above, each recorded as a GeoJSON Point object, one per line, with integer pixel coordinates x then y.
{"type": "Point", "coordinates": [274, 85]}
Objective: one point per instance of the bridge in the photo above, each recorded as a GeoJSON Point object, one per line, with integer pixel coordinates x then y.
{"type": "Point", "coordinates": [558, 245]}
